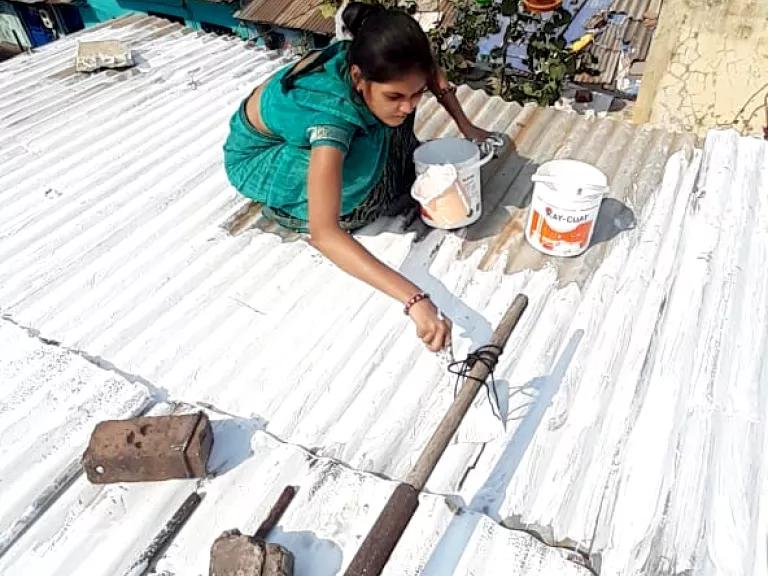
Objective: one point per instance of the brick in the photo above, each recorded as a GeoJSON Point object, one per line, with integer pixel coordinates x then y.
{"type": "Point", "coordinates": [235, 554]}
{"type": "Point", "coordinates": [278, 561]}
{"type": "Point", "coordinates": [149, 449]}
{"type": "Point", "coordinates": [583, 96]}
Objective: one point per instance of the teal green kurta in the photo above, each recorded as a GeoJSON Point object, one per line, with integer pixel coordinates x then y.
{"type": "Point", "coordinates": [319, 109]}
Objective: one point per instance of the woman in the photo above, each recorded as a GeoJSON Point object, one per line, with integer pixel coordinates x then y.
{"type": "Point", "coordinates": [326, 145]}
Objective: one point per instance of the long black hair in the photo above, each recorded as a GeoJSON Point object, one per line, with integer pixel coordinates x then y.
{"type": "Point", "coordinates": [387, 43]}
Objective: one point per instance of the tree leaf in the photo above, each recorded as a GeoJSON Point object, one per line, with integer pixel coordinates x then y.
{"type": "Point", "coordinates": [557, 71]}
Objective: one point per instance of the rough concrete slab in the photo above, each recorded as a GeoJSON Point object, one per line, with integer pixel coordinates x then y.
{"type": "Point", "coordinates": [708, 66]}
{"type": "Point", "coordinates": [102, 54]}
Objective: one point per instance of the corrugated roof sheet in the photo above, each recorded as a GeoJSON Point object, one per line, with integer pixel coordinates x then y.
{"type": "Point", "coordinates": [635, 9]}
{"type": "Point", "coordinates": [638, 38]}
{"type": "Point", "coordinates": [653, 10]}
{"type": "Point", "coordinates": [606, 66]}
{"type": "Point", "coordinates": [630, 391]}
{"type": "Point", "coordinates": [675, 425]}
{"type": "Point", "coordinates": [612, 37]}
{"type": "Point", "coordinates": [298, 14]}
{"type": "Point", "coordinates": [607, 48]}
{"type": "Point", "coordinates": [631, 33]}
{"type": "Point", "coordinates": [111, 529]}
{"type": "Point", "coordinates": [305, 15]}
{"type": "Point", "coordinates": [50, 400]}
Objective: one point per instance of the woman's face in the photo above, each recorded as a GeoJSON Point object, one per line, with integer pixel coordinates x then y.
{"type": "Point", "coordinates": [391, 102]}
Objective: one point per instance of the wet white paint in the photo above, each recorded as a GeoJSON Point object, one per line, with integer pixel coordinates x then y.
{"type": "Point", "coordinates": [50, 400]}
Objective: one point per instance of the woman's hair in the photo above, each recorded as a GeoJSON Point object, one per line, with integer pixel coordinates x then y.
{"type": "Point", "coordinates": [386, 43]}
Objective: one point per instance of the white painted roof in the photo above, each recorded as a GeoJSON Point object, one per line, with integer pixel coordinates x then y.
{"type": "Point", "coordinates": [636, 420]}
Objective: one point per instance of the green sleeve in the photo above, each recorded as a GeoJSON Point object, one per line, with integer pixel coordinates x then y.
{"type": "Point", "coordinates": [327, 135]}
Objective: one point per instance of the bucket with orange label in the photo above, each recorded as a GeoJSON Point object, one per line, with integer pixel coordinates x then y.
{"type": "Point", "coordinates": [566, 200]}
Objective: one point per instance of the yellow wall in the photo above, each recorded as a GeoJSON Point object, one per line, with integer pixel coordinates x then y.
{"type": "Point", "coordinates": [708, 66]}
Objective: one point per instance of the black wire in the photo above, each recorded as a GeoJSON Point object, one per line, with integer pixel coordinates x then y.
{"type": "Point", "coordinates": [487, 355]}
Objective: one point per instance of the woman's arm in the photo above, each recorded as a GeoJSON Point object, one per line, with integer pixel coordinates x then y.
{"type": "Point", "coordinates": [441, 88]}
{"type": "Point", "coordinates": [324, 186]}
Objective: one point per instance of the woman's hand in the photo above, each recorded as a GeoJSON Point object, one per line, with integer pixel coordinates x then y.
{"type": "Point", "coordinates": [488, 142]}
{"type": "Point", "coordinates": [434, 330]}
{"type": "Point", "coordinates": [446, 95]}
{"type": "Point", "coordinates": [324, 185]}
{"type": "Point", "coordinates": [472, 132]}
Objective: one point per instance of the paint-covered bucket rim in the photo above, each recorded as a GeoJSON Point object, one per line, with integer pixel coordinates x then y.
{"type": "Point", "coordinates": [574, 171]}
{"type": "Point", "coordinates": [456, 151]}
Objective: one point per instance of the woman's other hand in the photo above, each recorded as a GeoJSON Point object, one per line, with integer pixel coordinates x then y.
{"type": "Point", "coordinates": [472, 132]}
{"type": "Point", "coordinates": [431, 327]}
{"type": "Point", "coordinates": [488, 142]}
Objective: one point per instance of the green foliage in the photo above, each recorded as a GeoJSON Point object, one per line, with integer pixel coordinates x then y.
{"type": "Point", "coordinates": [550, 62]}
{"type": "Point", "coordinates": [456, 46]}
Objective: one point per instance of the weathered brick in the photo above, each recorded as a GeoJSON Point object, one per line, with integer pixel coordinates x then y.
{"type": "Point", "coordinates": [278, 561]}
{"type": "Point", "coordinates": [235, 554]}
{"type": "Point", "coordinates": [149, 449]}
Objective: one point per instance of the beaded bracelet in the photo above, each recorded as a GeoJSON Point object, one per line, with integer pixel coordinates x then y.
{"type": "Point", "coordinates": [413, 300]}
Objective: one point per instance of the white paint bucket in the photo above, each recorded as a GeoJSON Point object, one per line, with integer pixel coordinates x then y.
{"type": "Point", "coordinates": [464, 156]}
{"type": "Point", "coordinates": [566, 200]}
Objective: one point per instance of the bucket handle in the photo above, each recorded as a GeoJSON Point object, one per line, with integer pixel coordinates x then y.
{"type": "Point", "coordinates": [483, 161]}
{"type": "Point", "coordinates": [554, 181]}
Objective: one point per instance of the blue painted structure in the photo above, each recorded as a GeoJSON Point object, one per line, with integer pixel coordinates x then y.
{"type": "Point", "coordinates": [196, 14]}
{"type": "Point", "coordinates": [38, 33]}
{"type": "Point", "coordinates": [37, 23]}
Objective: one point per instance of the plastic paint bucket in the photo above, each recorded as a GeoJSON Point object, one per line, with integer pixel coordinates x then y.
{"type": "Point", "coordinates": [464, 156]}
{"type": "Point", "coordinates": [566, 200]}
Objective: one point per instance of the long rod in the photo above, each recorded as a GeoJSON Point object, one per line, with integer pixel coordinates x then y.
{"type": "Point", "coordinates": [378, 545]}
{"type": "Point", "coordinates": [450, 423]}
